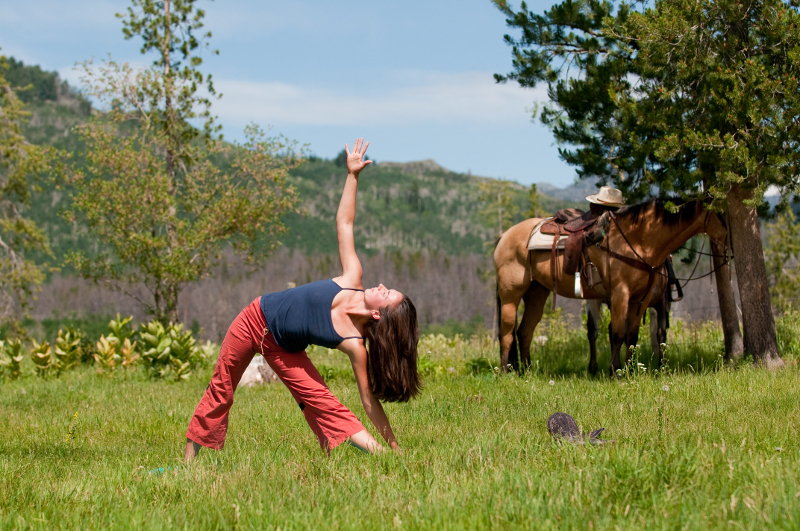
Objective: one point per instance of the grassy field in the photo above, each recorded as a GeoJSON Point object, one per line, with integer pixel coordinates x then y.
{"type": "Point", "coordinates": [698, 446]}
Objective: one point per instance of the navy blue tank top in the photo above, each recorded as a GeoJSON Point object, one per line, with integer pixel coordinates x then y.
{"type": "Point", "coordinates": [301, 316]}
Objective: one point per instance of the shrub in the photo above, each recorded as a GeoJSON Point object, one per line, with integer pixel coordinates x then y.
{"type": "Point", "coordinates": [168, 352]}
{"type": "Point", "coordinates": [67, 352]}
{"type": "Point", "coordinates": [11, 358]}
{"type": "Point", "coordinates": [106, 356]}
{"type": "Point", "coordinates": [41, 354]}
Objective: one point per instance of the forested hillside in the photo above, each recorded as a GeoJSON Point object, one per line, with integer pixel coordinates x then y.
{"type": "Point", "coordinates": [420, 227]}
{"type": "Point", "coordinates": [402, 206]}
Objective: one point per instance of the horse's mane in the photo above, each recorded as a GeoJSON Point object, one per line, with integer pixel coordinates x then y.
{"type": "Point", "coordinates": [687, 210]}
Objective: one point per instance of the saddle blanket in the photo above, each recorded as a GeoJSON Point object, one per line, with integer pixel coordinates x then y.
{"type": "Point", "coordinates": [539, 241]}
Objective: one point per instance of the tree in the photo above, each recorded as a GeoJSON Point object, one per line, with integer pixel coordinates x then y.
{"type": "Point", "coordinates": [164, 196]}
{"type": "Point", "coordinates": [719, 84]}
{"type": "Point", "coordinates": [533, 197]}
{"type": "Point", "coordinates": [22, 164]}
{"type": "Point", "coordinates": [499, 209]}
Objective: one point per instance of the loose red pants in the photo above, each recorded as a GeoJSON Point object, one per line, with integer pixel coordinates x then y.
{"type": "Point", "coordinates": [330, 421]}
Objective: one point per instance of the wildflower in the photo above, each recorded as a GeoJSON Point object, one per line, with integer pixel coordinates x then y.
{"type": "Point", "coordinates": [497, 369]}
{"type": "Point", "coordinates": [551, 382]}
{"type": "Point", "coordinates": [665, 388]}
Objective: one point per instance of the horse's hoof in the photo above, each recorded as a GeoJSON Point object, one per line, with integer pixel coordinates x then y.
{"type": "Point", "coordinates": [593, 370]}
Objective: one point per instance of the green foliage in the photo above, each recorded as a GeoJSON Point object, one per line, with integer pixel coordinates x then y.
{"type": "Point", "coordinates": [106, 356]}
{"type": "Point", "coordinates": [91, 326]}
{"type": "Point", "coordinates": [169, 352]}
{"type": "Point", "coordinates": [164, 197]}
{"type": "Point", "coordinates": [22, 167]}
{"type": "Point", "coordinates": [41, 355]}
{"type": "Point", "coordinates": [68, 352]}
{"type": "Point", "coordinates": [452, 328]}
{"type": "Point", "coordinates": [713, 104]}
{"type": "Point", "coordinates": [498, 210]}
{"type": "Point", "coordinates": [427, 366]}
{"type": "Point", "coordinates": [479, 366]}
{"type": "Point", "coordinates": [36, 86]}
{"type": "Point", "coordinates": [121, 328]}
{"type": "Point", "coordinates": [11, 358]}
{"type": "Point", "coordinates": [207, 354]}
{"type": "Point", "coordinates": [534, 210]}
{"type": "Point", "coordinates": [155, 344]}
{"type": "Point", "coordinates": [781, 257]}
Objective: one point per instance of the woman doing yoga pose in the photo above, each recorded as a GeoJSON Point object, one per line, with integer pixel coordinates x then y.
{"type": "Point", "coordinates": [377, 328]}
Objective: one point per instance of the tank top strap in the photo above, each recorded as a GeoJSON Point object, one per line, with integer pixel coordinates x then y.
{"type": "Point", "coordinates": [341, 288]}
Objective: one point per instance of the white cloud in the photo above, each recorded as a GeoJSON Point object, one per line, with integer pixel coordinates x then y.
{"type": "Point", "coordinates": [415, 97]}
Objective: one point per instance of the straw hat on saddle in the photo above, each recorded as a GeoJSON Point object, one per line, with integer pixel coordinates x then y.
{"type": "Point", "coordinates": [607, 196]}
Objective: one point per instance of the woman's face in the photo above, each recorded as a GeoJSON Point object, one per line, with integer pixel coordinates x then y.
{"type": "Point", "coordinates": [381, 297]}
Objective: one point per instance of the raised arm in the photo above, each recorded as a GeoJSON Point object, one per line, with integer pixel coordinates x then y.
{"type": "Point", "coordinates": [346, 215]}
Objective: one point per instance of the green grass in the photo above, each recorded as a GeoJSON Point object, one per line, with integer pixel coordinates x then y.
{"type": "Point", "coordinates": [697, 446]}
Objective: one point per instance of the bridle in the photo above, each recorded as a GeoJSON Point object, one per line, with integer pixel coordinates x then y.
{"type": "Point", "coordinates": [646, 267]}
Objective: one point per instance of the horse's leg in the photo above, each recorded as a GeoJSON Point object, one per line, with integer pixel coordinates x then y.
{"type": "Point", "coordinates": [658, 332]}
{"type": "Point", "coordinates": [617, 328]}
{"type": "Point", "coordinates": [594, 308]}
{"type": "Point", "coordinates": [655, 317]}
{"type": "Point", "coordinates": [535, 299]}
{"type": "Point", "coordinates": [632, 329]}
{"type": "Point", "coordinates": [508, 304]}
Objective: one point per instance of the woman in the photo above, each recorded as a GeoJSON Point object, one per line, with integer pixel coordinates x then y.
{"type": "Point", "coordinates": [377, 328]}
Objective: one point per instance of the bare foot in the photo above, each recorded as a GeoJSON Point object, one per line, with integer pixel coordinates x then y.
{"type": "Point", "coordinates": [192, 449]}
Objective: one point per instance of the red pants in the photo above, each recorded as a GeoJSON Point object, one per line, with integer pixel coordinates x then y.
{"type": "Point", "coordinates": [332, 422]}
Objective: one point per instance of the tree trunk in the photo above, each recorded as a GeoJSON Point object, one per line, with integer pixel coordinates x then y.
{"type": "Point", "coordinates": [760, 338]}
{"type": "Point", "coordinates": [171, 305]}
{"type": "Point", "coordinates": [734, 348]}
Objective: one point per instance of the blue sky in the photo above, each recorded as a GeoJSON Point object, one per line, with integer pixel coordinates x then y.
{"type": "Point", "coordinates": [413, 77]}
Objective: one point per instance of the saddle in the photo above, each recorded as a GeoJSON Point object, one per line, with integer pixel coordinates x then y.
{"type": "Point", "coordinates": [577, 230]}
{"type": "Point", "coordinates": [581, 229]}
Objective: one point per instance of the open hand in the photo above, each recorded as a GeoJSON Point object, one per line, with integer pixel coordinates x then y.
{"type": "Point", "coordinates": [355, 162]}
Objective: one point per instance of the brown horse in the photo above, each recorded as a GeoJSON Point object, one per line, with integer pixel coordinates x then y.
{"type": "Point", "coordinates": [637, 241]}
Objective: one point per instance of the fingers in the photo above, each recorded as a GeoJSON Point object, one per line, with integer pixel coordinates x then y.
{"type": "Point", "coordinates": [359, 148]}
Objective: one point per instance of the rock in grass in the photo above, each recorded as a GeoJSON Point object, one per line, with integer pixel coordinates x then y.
{"type": "Point", "coordinates": [563, 428]}
{"type": "Point", "coordinates": [258, 373]}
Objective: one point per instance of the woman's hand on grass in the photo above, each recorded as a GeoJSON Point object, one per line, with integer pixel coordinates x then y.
{"type": "Point", "coordinates": [355, 160]}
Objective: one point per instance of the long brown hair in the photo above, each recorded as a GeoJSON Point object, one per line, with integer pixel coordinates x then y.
{"type": "Point", "coordinates": [392, 353]}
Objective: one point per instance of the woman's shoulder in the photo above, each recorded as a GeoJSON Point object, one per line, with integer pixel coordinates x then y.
{"type": "Point", "coordinates": [346, 283]}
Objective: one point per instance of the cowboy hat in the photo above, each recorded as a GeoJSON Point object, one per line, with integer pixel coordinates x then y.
{"type": "Point", "coordinates": [607, 196]}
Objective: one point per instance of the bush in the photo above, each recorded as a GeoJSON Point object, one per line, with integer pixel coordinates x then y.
{"type": "Point", "coordinates": [11, 358]}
